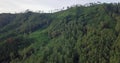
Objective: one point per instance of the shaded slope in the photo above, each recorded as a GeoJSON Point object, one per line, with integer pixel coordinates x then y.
{"type": "Point", "coordinates": [79, 34]}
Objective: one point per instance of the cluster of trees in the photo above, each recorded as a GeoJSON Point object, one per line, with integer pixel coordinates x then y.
{"type": "Point", "coordinates": [15, 30]}
{"type": "Point", "coordinates": [80, 34]}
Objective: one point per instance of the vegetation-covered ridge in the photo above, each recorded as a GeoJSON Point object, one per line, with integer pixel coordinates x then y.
{"type": "Point", "coordinates": [80, 34]}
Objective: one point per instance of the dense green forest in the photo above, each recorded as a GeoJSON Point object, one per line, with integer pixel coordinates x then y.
{"type": "Point", "coordinates": [79, 34]}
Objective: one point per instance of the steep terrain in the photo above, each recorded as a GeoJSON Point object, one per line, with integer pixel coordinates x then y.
{"type": "Point", "coordinates": [80, 34]}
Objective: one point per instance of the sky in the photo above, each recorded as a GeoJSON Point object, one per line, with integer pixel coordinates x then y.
{"type": "Point", "coordinates": [13, 6]}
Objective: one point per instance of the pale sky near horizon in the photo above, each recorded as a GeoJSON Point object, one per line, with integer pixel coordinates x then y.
{"type": "Point", "coordinates": [13, 6]}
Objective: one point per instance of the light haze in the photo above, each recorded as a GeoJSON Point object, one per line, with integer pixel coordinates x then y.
{"type": "Point", "coordinates": [12, 6]}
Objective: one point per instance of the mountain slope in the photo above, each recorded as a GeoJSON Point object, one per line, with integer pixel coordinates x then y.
{"type": "Point", "coordinates": [80, 34]}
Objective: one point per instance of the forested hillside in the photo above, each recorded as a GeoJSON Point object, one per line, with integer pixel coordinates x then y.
{"type": "Point", "coordinates": [80, 34]}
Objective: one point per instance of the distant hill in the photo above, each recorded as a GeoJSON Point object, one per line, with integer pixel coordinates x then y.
{"type": "Point", "coordinates": [80, 34]}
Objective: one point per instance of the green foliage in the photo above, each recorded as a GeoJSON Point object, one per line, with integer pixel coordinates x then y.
{"type": "Point", "coordinates": [80, 34]}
